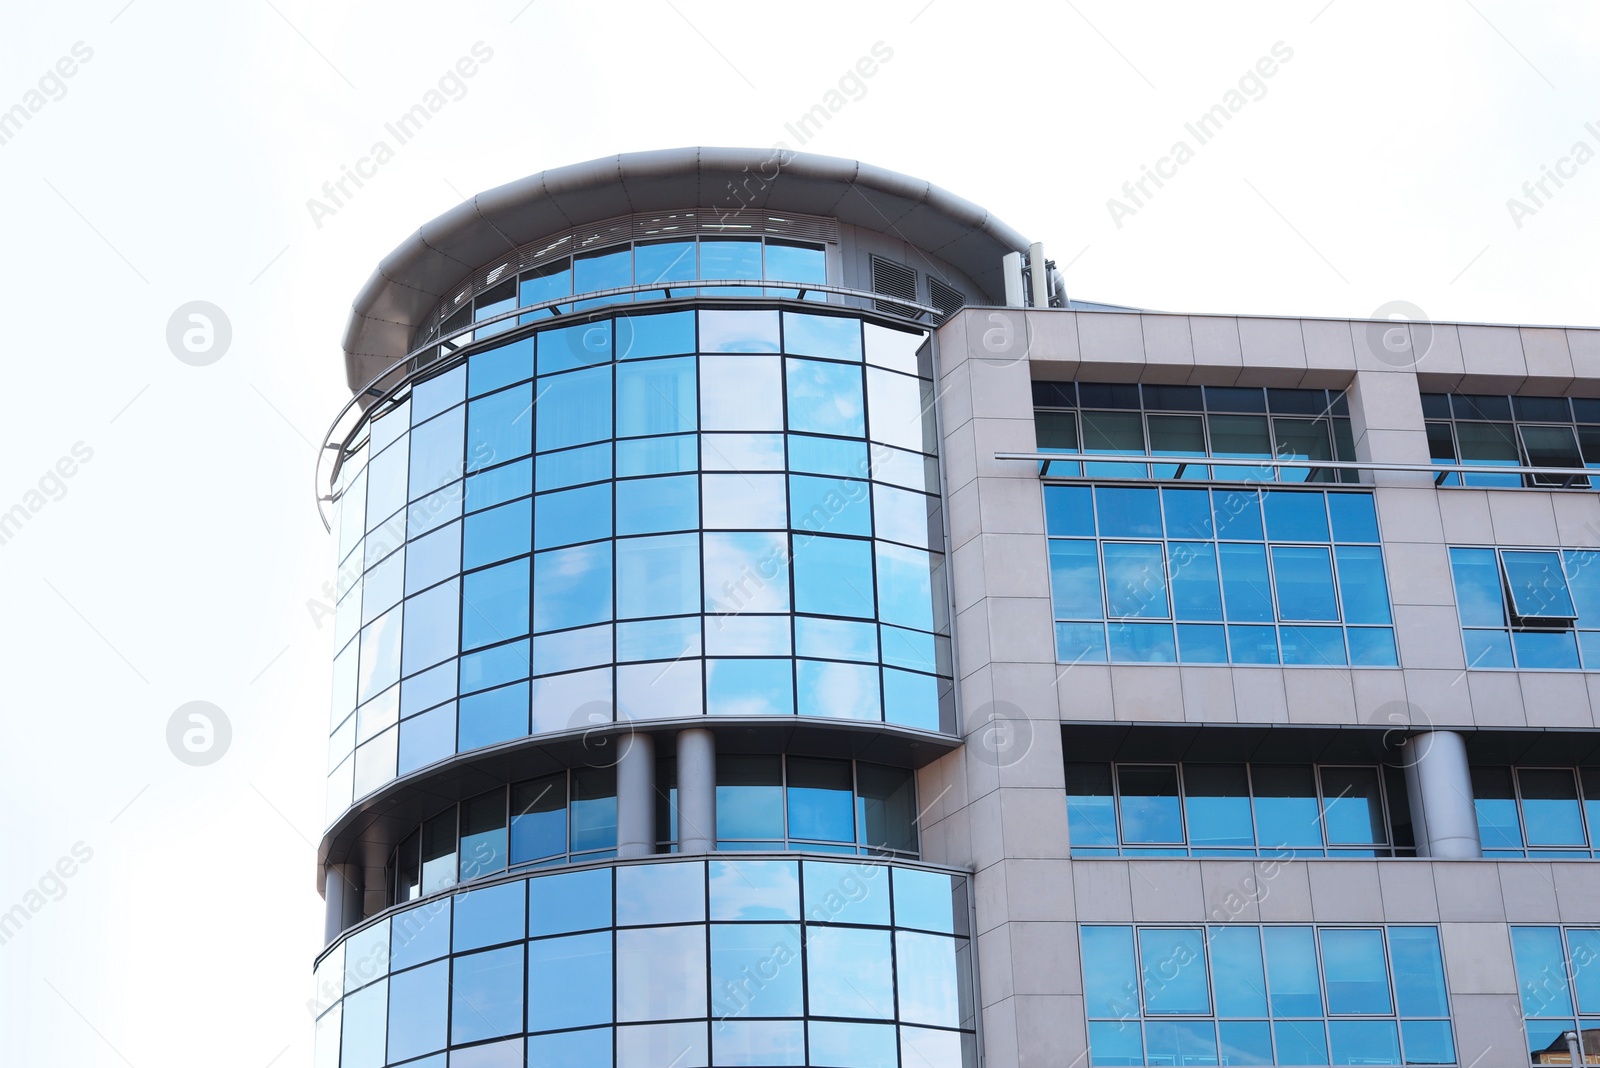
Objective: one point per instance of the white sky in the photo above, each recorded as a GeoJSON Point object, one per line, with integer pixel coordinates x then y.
{"type": "Point", "coordinates": [179, 562]}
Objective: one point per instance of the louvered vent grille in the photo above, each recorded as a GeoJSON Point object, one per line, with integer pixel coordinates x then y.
{"type": "Point", "coordinates": [947, 299]}
{"type": "Point", "coordinates": [894, 280]}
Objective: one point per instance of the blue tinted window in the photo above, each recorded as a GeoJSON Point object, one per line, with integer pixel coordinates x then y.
{"type": "Point", "coordinates": [574, 409]}
{"type": "Point", "coordinates": [827, 456]}
{"type": "Point", "coordinates": [567, 347]}
{"type": "Point", "coordinates": [1181, 1041]}
{"type": "Point", "coordinates": [1069, 511]}
{"type": "Point", "coordinates": [539, 819]}
{"type": "Point", "coordinates": [1150, 807]}
{"type": "Point", "coordinates": [1075, 580]}
{"type": "Point", "coordinates": [1196, 594]}
{"type": "Point", "coordinates": [500, 367]}
{"type": "Point", "coordinates": [1188, 513]}
{"type": "Point", "coordinates": [572, 587]}
{"type": "Point", "coordinates": [1541, 971]}
{"type": "Point", "coordinates": [656, 397]}
{"type": "Point", "coordinates": [572, 467]}
{"type": "Point", "coordinates": [849, 973]}
{"type": "Point", "coordinates": [1126, 512]}
{"type": "Point", "coordinates": [1246, 589]}
{"type": "Point", "coordinates": [1293, 516]}
{"type": "Point", "coordinates": [497, 534]}
{"type": "Point", "coordinates": [1538, 585]}
{"type": "Point", "coordinates": [1136, 581]}
{"type": "Point", "coordinates": [750, 797]}
{"type": "Point", "coordinates": [1237, 514]}
{"type": "Point", "coordinates": [1148, 643]}
{"type": "Point", "coordinates": [1287, 811]}
{"type": "Point", "coordinates": [435, 453]}
{"type": "Point", "coordinates": [418, 1001]}
{"type": "Point", "coordinates": [731, 258]}
{"type": "Point", "coordinates": [648, 505]}
{"type": "Point", "coordinates": [795, 263]}
{"type": "Point", "coordinates": [494, 604]}
{"type": "Point", "coordinates": [1549, 650]}
{"type": "Point", "coordinates": [486, 995]}
{"type": "Point", "coordinates": [574, 515]}
{"type": "Point", "coordinates": [824, 398]}
{"type": "Point", "coordinates": [1550, 809]}
{"type": "Point", "coordinates": [1216, 805]}
{"type": "Point", "coordinates": [1354, 517]}
{"type": "Point", "coordinates": [1236, 965]}
{"type": "Point", "coordinates": [569, 982]}
{"type": "Point", "coordinates": [1304, 581]}
{"type": "Point", "coordinates": [498, 485]}
{"type": "Point", "coordinates": [658, 576]}
{"type": "Point", "coordinates": [493, 716]}
{"type": "Point", "coordinates": [833, 576]}
{"type": "Point", "coordinates": [820, 800]}
{"type": "Point", "coordinates": [1478, 591]}
{"type": "Point", "coordinates": [607, 270]}
{"type": "Point", "coordinates": [667, 334]}
{"type": "Point", "coordinates": [905, 586]}
{"type": "Point", "coordinates": [832, 336]}
{"type": "Point", "coordinates": [578, 901]}
{"type": "Point", "coordinates": [738, 331]}
{"type": "Point", "coordinates": [1363, 591]}
{"type": "Point", "coordinates": [1418, 971]}
{"type": "Point", "coordinates": [1109, 972]}
{"type": "Point", "coordinates": [500, 427]}
{"type": "Point", "coordinates": [1091, 805]}
{"type": "Point", "coordinates": [430, 628]}
{"type": "Point", "coordinates": [740, 950]}
{"type": "Point", "coordinates": [489, 916]}
{"type": "Point", "coordinates": [750, 687]}
{"type": "Point", "coordinates": [1173, 965]}
{"type": "Point", "coordinates": [1355, 970]}
{"type": "Point", "coordinates": [664, 261]}
{"type": "Point", "coordinates": [829, 505]}
{"type": "Point", "coordinates": [1292, 983]}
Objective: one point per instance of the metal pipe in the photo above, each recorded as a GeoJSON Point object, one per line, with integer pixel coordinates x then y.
{"type": "Point", "coordinates": [1439, 787]}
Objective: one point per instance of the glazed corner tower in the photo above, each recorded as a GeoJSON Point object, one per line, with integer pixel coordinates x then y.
{"type": "Point", "coordinates": [644, 629]}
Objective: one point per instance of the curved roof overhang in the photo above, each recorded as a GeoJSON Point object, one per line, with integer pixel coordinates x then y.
{"type": "Point", "coordinates": [411, 280]}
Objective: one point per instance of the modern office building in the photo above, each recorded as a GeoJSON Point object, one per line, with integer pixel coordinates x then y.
{"type": "Point", "coordinates": [779, 626]}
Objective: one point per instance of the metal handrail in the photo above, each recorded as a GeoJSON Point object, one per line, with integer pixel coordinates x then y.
{"type": "Point", "coordinates": [1439, 471]}
{"type": "Point", "coordinates": [399, 374]}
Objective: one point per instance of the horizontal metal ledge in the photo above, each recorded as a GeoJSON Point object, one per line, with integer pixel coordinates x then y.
{"type": "Point", "coordinates": [1439, 471]}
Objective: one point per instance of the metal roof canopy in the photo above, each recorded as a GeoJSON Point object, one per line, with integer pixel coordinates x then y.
{"type": "Point", "coordinates": [411, 280]}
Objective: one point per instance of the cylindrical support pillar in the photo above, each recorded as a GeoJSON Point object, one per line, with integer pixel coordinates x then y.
{"type": "Point", "coordinates": [1439, 787]}
{"type": "Point", "coordinates": [342, 894]}
{"type": "Point", "coordinates": [697, 791]}
{"type": "Point", "coordinates": [636, 795]}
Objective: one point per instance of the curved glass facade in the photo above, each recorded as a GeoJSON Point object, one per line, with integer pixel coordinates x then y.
{"type": "Point", "coordinates": [722, 511]}
{"type": "Point", "coordinates": [746, 961]}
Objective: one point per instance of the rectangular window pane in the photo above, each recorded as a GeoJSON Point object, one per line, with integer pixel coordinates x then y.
{"type": "Point", "coordinates": [1216, 804]}
{"type": "Point", "coordinates": [1287, 813]}
{"type": "Point", "coordinates": [1240, 984]}
{"type": "Point", "coordinates": [1172, 967]}
{"type": "Point", "coordinates": [1149, 803]}
{"type": "Point", "coordinates": [1075, 580]}
{"type": "Point", "coordinates": [1109, 972]}
{"type": "Point", "coordinates": [1479, 596]}
{"type": "Point", "coordinates": [1538, 585]}
{"type": "Point", "coordinates": [1136, 581]}
{"type": "Point", "coordinates": [1550, 810]}
{"type": "Point", "coordinates": [1418, 971]}
{"type": "Point", "coordinates": [1357, 976]}
{"type": "Point", "coordinates": [1293, 985]}
{"type": "Point", "coordinates": [1352, 806]}
{"type": "Point", "coordinates": [1541, 971]}
{"type": "Point", "coordinates": [1499, 826]}
{"type": "Point", "coordinates": [1091, 808]}
{"type": "Point", "coordinates": [750, 797]}
{"type": "Point", "coordinates": [1246, 590]}
{"type": "Point", "coordinates": [819, 800]}
{"type": "Point", "coordinates": [539, 818]}
{"type": "Point", "coordinates": [1304, 577]}
{"type": "Point", "coordinates": [1363, 590]}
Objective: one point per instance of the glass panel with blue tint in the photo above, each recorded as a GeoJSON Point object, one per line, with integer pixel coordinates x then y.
{"type": "Point", "coordinates": [1300, 1041]}
{"type": "Point", "coordinates": [1144, 643]}
{"type": "Point", "coordinates": [497, 534]}
{"type": "Point", "coordinates": [656, 397]}
{"type": "Point", "coordinates": [493, 716]}
{"type": "Point", "coordinates": [1487, 648]}
{"type": "Point", "coordinates": [746, 572]}
{"type": "Point", "coordinates": [436, 453]}
{"type": "Point", "coordinates": [1136, 581]}
{"type": "Point", "coordinates": [1363, 590]}
{"type": "Point", "coordinates": [1091, 805]}
{"type": "Point", "coordinates": [1172, 966]}
{"type": "Point", "coordinates": [1200, 643]}
{"type": "Point", "coordinates": [1538, 585]}
{"type": "Point", "coordinates": [500, 427]}
{"type": "Point", "coordinates": [1354, 517]}
{"type": "Point", "coordinates": [483, 851]}
{"type": "Point", "coordinates": [433, 396]}
{"type": "Point", "coordinates": [569, 981]}
{"type": "Point", "coordinates": [1418, 971]}
{"type": "Point", "coordinates": [1293, 986]}
{"type": "Point", "coordinates": [925, 965]}
{"type": "Point", "coordinates": [739, 331]}
{"type": "Point", "coordinates": [419, 935]}
{"type": "Point", "coordinates": [1180, 1042]}
{"type": "Point", "coordinates": [573, 409]}
{"type": "Point", "coordinates": [742, 952]}
{"type": "Point", "coordinates": [659, 639]}
{"type": "Point", "coordinates": [750, 800]}
{"type": "Point", "coordinates": [845, 893]}
{"type": "Point", "coordinates": [1188, 513]}
{"type": "Point", "coordinates": [1313, 646]}
{"type": "Point", "coordinates": [1237, 514]}
{"type": "Point", "coordinates": [430, 627]}
{"type": "Point", "coordinates": [1115, 1043]}
{"type": "Point", "coordinates": [574, 515]}
{"type": "Point", "coordinates": [573, 587]}
{"type": "Point", "coordinates": [1287, 812]}
{"type": "Point", "coordinates": [1352, 812]}
{"type": "Point", "coordinates": [1295, 516]}
{"type": "Point", "coordinates": [362, 1043]}
{"type": "Point", "coordinates": [1583, 946]}
{"type": "Point", "coordinates": [838, 691]}
{"type": "Point", "coordinates": [827, 456]}
{"type": "Point", "coordinates": [386, 484]}
{"type": "Point", "coordinates": [664, 261]}
{"type": "Point", "coordinates": [820, 799]}
{"type": "Point", "coordinates": [824, 398]}
{"type": "Point", "coordinates": [886, 808]}
{"type": "Point", "coordinates": [1582, 570]}
{"type": "Point", "coordinates": [1488, 445]}
{"type": "Point", "coordinates": [491, 667]}
{"type": "Point", "coordinates": [859, 1045]}
{"type": "Point", "coordinates": [1245, 1042]}
{"type": "Point", "coordinates": [494, 604]}
{"type": "Point", "coordinates": [656, 456]}
{"type": "Point", "coordinates": [1428, 1042]}
{"type": "Point", "coordinates": [911, 700]}
{"type": "Point", "coordinates": [604, 270]}
{"type": "Point", "coordinates": [1363, 1042]}
{"type": "Point", "coordinates": [658, 576]}
{"type": "Point", "coordinates": [1499, 823]}
{"type": "Point", "coordinates": [499, 485]}
{"type": "Point", "coordinates": [486, 995]}
{"type": "Point", "coordinates": [795, 263]}
{"type": "Point", "coordinates": [1355, 971]}
{"type": "Point", "coordinates": [1078, 642]}
{"type": "Point", "coordinates": [1069, 511]}
{"type": "Point", "coordinates": [1075, 580]}
{"type": "Point", "coordinates": [1196, 594]}
{"type": "Point", "coordinates": [594, 809]}
{"type": "Point", "coordinates": [906, 516]}
{"type": "Point", "coordinates": [490, 916]}
{"type": "Point", "coordinates": [572, 467]}
{"type": "Point", "coordinates": [1304, 583]}
{"type": "Point", "coordinates": [730, 502]}
{"type": "Point", "coordinates": [1550, 810]}
{"type": "Point", "coordinates": [1126, 512]}
{"type": "Point", "coordinates": [1150, 808]}
{"type": "Point", "coordinates": [1237, 978]}
{"type": "Point", "coordinates": [764, 1042]}
{"type": "Point", "coordinates": [1479, 596]}
{"type": "Point", "coordinates": [500, 367]}
{"type": "Point", "coordinates": [1216, 805]}
{"type": "Point", "coordinates": [576, 901]}
{"type": "Point", "coordinates": [738, 257]}
{"type": "Point", "coordinates": [661, 971]}
{"type": "Point", "coordinates": [754, 889]}
{"type": "Point", "coordinates": [665, 334]}
{"type": "Point", "coordinates": [1246, 589]}
{"type": "Point", "coordinates": [741, 393]}
{"type": "Point", "coordinates": [831, 336]}
{"type": "Point", "coordinates": [648, 505]}
{"type": "Point", "coordinates": [418, 1001]}
{"type": "Point", "coordinates": [833, 576]}
{"type": "Point", "coordinates": [1545, 650]}
{"type": "Point", "coordinates": [849, 973]}
{"type": "Point", "coordinates": [750, 688]}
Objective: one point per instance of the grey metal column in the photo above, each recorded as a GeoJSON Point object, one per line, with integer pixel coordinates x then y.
{"type": "Point", "coordinates": [697, 791]}
{"type": "Point", "coordinates": [1439, 787]}
{"type": "Point", "coordinates": [636, 795]}
{"type": "Point", "coordinates": [342, 894]}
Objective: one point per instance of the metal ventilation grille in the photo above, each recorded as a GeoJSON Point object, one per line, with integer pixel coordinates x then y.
{"type": "Point", "coordinates": [947, 299]}
{"type": "Point", "coordinates": [894, 280]}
